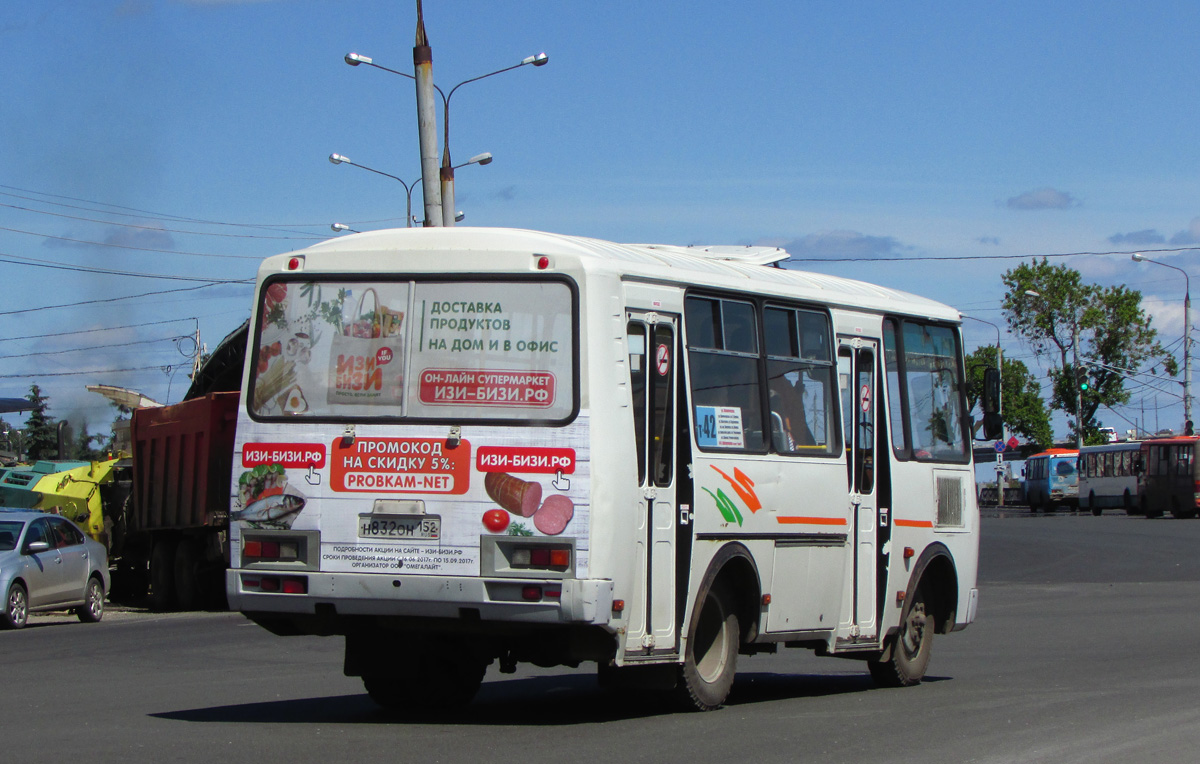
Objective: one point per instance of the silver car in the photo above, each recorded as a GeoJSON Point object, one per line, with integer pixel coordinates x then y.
{"type": "Point", "coordinates": [47, 563]}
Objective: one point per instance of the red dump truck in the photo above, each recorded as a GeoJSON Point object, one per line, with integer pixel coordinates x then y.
{"type": "Point", "coordinates": [168, 510]}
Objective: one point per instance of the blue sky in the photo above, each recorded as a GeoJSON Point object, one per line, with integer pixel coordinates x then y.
{"type": "Point", "coordinates": [838, 130]}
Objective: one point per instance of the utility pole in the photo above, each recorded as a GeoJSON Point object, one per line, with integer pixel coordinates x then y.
{"type": "Point", "coordinates": [1078, 381]}
{"type": "Point", "coordinates": [427, 124]}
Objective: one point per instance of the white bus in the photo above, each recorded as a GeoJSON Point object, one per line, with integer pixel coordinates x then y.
{"type": "Point", "coordinates": [1109, 475]}
{"type": "Point", "coordinates": [465, 446]}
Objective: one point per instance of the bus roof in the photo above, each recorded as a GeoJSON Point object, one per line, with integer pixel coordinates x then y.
{"type": "Point", "coordinates": [1055, 452]}
{"type": "Point", "coordinates": [729, 267]}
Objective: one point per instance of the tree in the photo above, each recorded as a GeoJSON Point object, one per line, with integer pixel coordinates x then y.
{"type": "Point", "coordinates": [1024, 412]}
{"type": "Point", "coordinates": [41, 435]}
{"type": "Point", "coordinates": [1112, 330]}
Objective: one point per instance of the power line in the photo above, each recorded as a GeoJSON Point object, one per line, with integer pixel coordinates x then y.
{"type": "Point", "coordinates": [117, 299]}
{"type": "Point", "coordinates": [59, 266]}
{"type": "Point", "coordinates": [103, 329]}
{"type": "Point", "coordinates": [76, 373]}
{"type": "Point", "coordinates": [977, 257]}
{"type": "Point", "coordinates": [126, 246]}
{"type": "Point", "coordinates": [177, 218]}
{"type": "Point", "coordinates": [174, 338]}
{"type": "Point", "coordinates": [158, 229]}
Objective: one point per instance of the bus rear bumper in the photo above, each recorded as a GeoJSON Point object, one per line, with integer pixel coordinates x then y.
{"type": "Point", "coordinates": [530, 601]}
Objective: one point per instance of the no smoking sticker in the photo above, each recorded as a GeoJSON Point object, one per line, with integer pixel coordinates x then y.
{"type": "Point", "coordinates": [662, 360]}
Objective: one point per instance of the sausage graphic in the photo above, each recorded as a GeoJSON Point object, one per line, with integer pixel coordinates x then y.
{"type": "Point", "coordinates": [554, 514]}
{"type": "Point", "coordinates": [514, 494]}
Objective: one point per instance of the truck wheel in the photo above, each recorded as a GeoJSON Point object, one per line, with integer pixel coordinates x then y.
{"type": "Point", "coordinates": [16, 607]}
{"type": "Point", "coordinates": [710, 660]}
{"type": "Point", "coordinates": [92, 609]}
{"type": "Point", "coordinates": [187, 582]}
{"type": "Point", "coordinates": [162, 574]}
{"type": "Point", "coordinates": [910, 648]}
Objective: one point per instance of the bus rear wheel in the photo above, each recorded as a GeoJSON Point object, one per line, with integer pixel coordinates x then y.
{"type": "Point", "coordinates": [910, 648]}
{"type": "Point", "coordinates": [442, 677]}
{"type": "Point", "coordinates": [710, 660]}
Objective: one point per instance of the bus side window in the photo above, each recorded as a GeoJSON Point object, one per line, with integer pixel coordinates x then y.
{"type": "Point", "coordinates": [723, 360]}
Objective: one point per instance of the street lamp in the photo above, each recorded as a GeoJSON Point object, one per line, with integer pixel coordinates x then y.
{"type": "Point", "coordinates": [999, 407]}
{"type": "Point", "coordinates": [339, 227]}
{"type": "Point", "coordinates": [447, 169]}
{"type": "Point", "coordinates": [408, 188]}
{"type": "Point", "coordinates": [1138, 257]}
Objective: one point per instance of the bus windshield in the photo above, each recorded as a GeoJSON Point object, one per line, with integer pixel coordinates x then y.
{"type": "Point", "coordinates": [370, 349]}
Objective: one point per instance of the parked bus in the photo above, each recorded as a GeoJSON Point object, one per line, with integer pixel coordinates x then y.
{"type": "Point", "coordinates": [1108, 477]}
{"type": "Point", "coordinates": [1171, 479]}
{"type": "Point", "coordinates": [1052, 480]}
{"type": "Point", "coordinates": [463, 446]}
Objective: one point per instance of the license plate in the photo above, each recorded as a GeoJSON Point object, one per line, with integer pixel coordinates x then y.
{"type": "Point", "coordinates": [420, 527]}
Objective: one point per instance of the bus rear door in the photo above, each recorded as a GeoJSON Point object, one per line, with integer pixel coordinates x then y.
{"type": "Point", "coordinates": [653, 342]}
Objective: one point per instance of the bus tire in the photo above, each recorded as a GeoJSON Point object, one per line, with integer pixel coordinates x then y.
{"type": "Point", "coordinates": [710, 660]}
{"type": "Point", "coordinates": [447, 677]}
{"type": "Point", "coordinates": [909, 649]}
{"type": "Point", "coordinates": [1096, 510]}
{"type": "Point", "coordinates": [1127, 503]}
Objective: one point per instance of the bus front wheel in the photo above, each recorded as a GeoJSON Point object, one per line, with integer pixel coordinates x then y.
{"type": "Point", "coordinates": [1096, 510]}
{"type": "Point", "coordinates": [710, 660]}
{"type": "Point", "coordinates": [910, 648]}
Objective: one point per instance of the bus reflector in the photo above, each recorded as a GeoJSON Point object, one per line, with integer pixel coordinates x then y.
{"type": "Point", "coordinates": [766, 600]}
{"type": "Point", "coordinates": [908, 552]}
{"type": "Point", "coordinates": [618, 606]}
{"type": "Point", "coordinates": [553, 593]}
{"type": "Point", "coordinates": [531, 593]}
{"type": "Point", "coordinates": [270, 584]}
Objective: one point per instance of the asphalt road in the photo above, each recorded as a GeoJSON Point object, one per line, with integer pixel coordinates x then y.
{"type": "Point", "coordinates": [1083, 652]}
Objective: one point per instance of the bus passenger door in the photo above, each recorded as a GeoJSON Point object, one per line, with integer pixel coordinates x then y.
{"type": "Point", "coordinates": [653, 343]}
{"type": "Point", "coordinates": [856, 376]}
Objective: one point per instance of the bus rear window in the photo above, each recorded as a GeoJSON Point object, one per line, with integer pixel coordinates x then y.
{"type": "Point", "coordinates": [424, 350]}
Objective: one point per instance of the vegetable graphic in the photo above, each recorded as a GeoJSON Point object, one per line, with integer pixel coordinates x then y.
{"type": "Point", "coordinates": [496, 520]}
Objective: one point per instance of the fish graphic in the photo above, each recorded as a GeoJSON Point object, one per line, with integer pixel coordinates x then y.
{"type": "Point", "coordinates": [271, 509]}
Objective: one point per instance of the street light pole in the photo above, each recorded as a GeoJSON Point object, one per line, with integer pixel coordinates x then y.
{"type": "Point", "coordinates": [446, 172]}
{"type": "Point", "coordinates": [426, 122]}
{"type": "Point", "coordinates": [1138, 257]}
{"type": "Point", "coordinates": [408, 188]}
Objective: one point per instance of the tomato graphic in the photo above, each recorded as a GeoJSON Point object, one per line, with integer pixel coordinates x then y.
{"type": "Point", "coordinates": [495, 520]}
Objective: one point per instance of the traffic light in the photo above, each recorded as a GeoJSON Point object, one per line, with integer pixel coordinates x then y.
{"type": "Point", "coordinates": [1081, 378]}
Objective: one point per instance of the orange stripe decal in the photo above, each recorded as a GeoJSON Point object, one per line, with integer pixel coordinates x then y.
{"type": "Point", "coordinates": [791, 520]}
{"type": "Point", "coordinates": [913, 523]}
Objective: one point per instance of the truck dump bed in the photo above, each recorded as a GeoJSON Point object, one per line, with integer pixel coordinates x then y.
{"type": "Point", "coordinates": [182, 460]}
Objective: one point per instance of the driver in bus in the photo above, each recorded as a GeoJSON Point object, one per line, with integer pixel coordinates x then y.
{"type": "Point", "coordinates": [787, 402]}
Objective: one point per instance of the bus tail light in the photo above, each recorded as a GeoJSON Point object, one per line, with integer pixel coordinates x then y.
{"type": "Point", "coordinates": [543, 557]}
{"type": "Point", "coordinates": [272, 584]}
{"type": "Point", "coordinates": [531, 593]}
